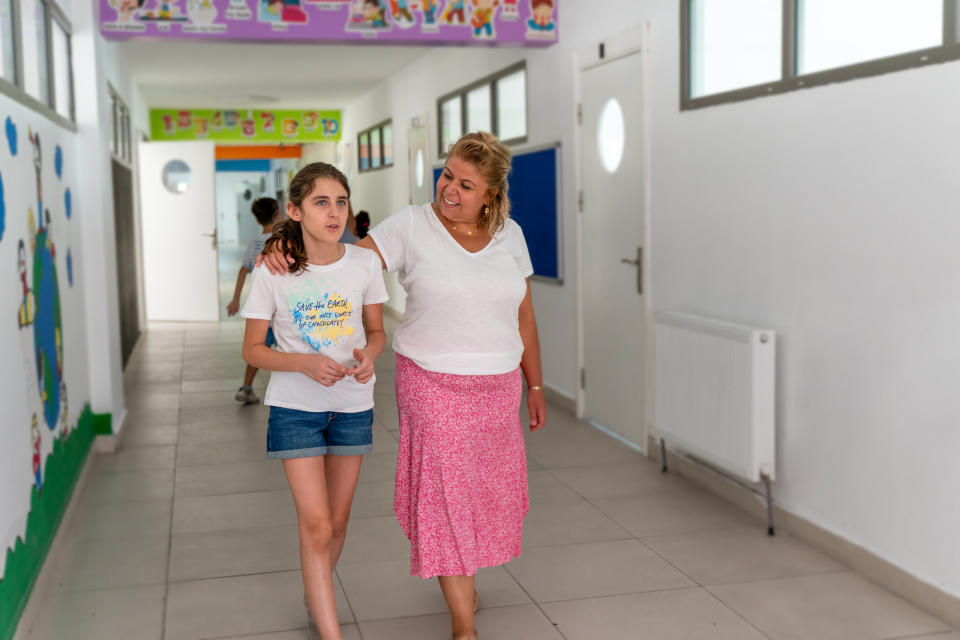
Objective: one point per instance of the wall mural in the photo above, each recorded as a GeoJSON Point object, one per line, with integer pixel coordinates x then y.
{"type": "Point", "coordinates": [530, 22]}
{"type": "Point", "coordinates": [38, 265]}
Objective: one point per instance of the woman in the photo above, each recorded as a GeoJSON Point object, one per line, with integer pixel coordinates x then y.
{"type": "Point", "coordinates": [467, 334]}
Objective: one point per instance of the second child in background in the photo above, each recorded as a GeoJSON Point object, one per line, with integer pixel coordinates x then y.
{"type": "Point", "coordinates": [265, 210]}
{"type": "Point", "coordinates": [363, 224]}
{"type": "Point", "coordinates": [349, 235]}
{"type": "Point", "coordinates": [326, 311]}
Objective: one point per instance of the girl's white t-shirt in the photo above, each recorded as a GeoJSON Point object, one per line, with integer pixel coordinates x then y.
{"type": "Point", "coordinates": [319, 310]}
{"type": "Point", "coordinates": [462, 308]}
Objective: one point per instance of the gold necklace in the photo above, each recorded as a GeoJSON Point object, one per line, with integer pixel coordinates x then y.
{"type": "Point", "coordinates": [453, 225]}
{"type": "Point", "coordinates": [469, 232]}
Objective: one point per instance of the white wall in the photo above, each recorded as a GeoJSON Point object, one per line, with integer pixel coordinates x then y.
{"type": "Point", "coordinates": [828, 214]}
{"type": "Point", "coordinates": [82, 242]}
{"type": "Point", "coordinates": [94, 63]}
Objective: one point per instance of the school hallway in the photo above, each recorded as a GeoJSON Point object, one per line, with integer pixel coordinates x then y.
{"type": "Point", "coordinates": [189, 532]}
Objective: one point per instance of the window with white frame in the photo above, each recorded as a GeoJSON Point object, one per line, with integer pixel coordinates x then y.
{"type": "Point", "coordinates": [36, 66]}
{"type": "Point", "coordinates": [375, 147]}
{"type": "Point", "coordinates": [740, 49]}
{"type": "Point", "coordinates": [497, 103]}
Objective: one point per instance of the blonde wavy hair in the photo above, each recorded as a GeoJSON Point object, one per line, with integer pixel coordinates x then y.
{"type": "Point", "coordinates": [492, 158]}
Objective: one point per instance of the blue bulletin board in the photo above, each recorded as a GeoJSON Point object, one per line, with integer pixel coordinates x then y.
{"type": "Point", "coordinates": [535, 206]}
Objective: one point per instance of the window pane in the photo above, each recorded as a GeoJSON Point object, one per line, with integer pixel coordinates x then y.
{"type": "Point", "coordinates": [61, 71]}
{"type": "Point", "coordinates": [512, 106]}
{"type": "Point", "coordinates": [375, 148]}
{"type": "Point", "coordinates": [833, 34]}
{"type": "Point", "coordinates": [451, 127]}
{"type": "Point", "coordinates": [9, 67]}
{"type": "Point", "coordinates": [364, 151]}
{"type": "Point", "coordinates": [478, 109]}
{"type": "Point", "coordinates": [387, 144]}
{"type": "Point", "coordinates": [734, 44]}
{"type": "Point", "coordinates": [33, 33]}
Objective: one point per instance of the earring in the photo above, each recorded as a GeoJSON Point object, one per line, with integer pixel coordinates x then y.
{"type": "Point", "coordinates": [486, 209]}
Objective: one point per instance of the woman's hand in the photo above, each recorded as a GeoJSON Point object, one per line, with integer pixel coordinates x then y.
{"type": "Point", "coordinates": [323, 369]}
{"type": "Point", "coordinates": [233, 307]}
{"type": "Point", "coordinates": [364, 369]}
{"type": "Point", "coordinates": [274, 257]}
{"type": "Point", "coordinates": [537, 405]}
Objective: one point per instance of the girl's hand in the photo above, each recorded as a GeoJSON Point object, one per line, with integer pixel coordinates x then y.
{"type": "Point", "coordinates": [537, 405]}
{"type": "Point", "coordinates": [364, 369]}
{"type": "Point", "coordinates": [276, 260]}
{"type": "Point", "coordinates": [323, 369]}
{"type": "Point", "coordinates": [233, 307]}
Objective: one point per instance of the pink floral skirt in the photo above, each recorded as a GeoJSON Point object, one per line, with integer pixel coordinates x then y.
{"type": "Point", "coordinates": [461, 489]}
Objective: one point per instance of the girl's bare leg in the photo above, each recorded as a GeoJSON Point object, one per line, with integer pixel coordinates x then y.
{"type": "Point", "coordinates": [342, 473]}
{"type": "Point", "coordinates": [308, 483]}
{"type": "Point", "coordinates": [458, 591]}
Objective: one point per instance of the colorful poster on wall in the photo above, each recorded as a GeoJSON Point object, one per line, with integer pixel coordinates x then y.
{"type": "Point", "coordinates": [245, 125]}
{"type": "Point", "coordinates": [482, 22]}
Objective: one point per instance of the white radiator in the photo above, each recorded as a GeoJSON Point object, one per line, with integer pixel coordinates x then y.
{"type": "Point", "coordinates": [714, 386]}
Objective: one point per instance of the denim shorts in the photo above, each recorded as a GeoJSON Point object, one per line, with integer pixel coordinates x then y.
{"type": "Point", "coordinates": [292, 433]}
{"type": "Point", "coordinates": [271, 340]}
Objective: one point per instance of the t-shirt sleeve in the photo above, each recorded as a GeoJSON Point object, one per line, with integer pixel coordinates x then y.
{"type": "Point", "coordinates": [376, 289]}
{"type": "Point", "coordinates": [517, 246]}
{"type": "Point", "coordinates": [250, 258]}
{"type": "Point", "coordinates": [392, 237]}
{"type": "Point", "coordinates": [260, 304]}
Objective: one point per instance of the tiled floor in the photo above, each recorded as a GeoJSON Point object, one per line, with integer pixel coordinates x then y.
{"type": "Point", "coordinates": [189, 532]}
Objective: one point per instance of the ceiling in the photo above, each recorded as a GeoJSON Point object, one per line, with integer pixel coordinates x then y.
{"type": "Point", "coordinates": [205, 74]}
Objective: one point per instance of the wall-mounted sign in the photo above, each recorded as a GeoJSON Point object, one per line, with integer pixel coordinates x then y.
{"type": "Point", "coordinates": [244, 125]}
{"type": "Point", "coordinates": [532, 22]}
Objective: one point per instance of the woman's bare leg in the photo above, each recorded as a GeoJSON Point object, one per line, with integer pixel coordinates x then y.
{"type": "Point", "coordinates": [308, 483]}
{"type": "Point", "coordinates": [459, 591]}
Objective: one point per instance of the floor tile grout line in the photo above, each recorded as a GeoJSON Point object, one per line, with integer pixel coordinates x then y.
{"type": "Point", "coordinates": [556, 626]}
{"type": "Point", "coordinates": [173, 499]}
{"type": "Point", "coordinates": [704, 588]}
{"type": "Point", "coordinates": [655, 552]}
{"type": "Point", "coordinates": [343, 590]}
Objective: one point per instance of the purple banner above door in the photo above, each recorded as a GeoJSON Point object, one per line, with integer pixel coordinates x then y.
{"type": "Point", "coordinates": [442, 22]}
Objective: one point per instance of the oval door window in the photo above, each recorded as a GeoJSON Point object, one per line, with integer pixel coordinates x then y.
{"type": "Point", "coordinates": [610, 135]}
{"type": "Point", "coordinates": [419, 168]}
{"type": "Point", "coordinates": [176, 176]}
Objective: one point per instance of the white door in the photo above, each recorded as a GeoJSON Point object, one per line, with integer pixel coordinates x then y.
{"type": "Point", "coordinates": [178, 208]}
{"type": "Point", "coordinates": [615, 325]}
{"type": "Point", "coordinates": [421, 177]}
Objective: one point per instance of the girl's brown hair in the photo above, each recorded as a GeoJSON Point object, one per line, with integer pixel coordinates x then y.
{"type": "Point", "coordinates": [492, 158]}
{"type": "Point", "coordinates": [288, 233]}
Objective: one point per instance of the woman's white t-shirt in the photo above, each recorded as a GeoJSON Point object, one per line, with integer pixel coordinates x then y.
{"type": "Point", "coordinates": [462, 308]}
{"type": "Point", "coordinates": [319, 310]}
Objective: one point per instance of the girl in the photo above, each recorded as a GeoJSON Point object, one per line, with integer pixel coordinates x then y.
{"type": "Point", "coordinates": [321, 392]}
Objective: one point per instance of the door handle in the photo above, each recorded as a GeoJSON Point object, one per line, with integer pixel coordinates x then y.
{"type": "Point", "coordinates": [638, 263]}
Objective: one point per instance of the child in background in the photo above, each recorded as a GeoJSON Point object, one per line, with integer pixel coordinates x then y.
{"type": "Point", "coordinates": [326, 311]}
{"type": "Point", "coordinates": [265, 210]}
{"type": "Point", "coordinates": [363, 224]}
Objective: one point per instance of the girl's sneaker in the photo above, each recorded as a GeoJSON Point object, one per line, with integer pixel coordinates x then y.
{"type": "Point", "coordinates": [246, 396]}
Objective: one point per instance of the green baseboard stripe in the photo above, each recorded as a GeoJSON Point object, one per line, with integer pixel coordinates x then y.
{"type": "Point", "coordinates": [61, 470]}
{"type": "Point", "coordinates": [102, 424]}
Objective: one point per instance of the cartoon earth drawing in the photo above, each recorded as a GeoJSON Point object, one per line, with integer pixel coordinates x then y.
{"type": "Point", "coordinates": [45, 307]}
